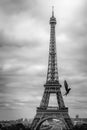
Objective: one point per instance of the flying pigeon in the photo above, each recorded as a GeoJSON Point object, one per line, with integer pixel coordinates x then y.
{"type": "Point", "coordinates": [66, 87]}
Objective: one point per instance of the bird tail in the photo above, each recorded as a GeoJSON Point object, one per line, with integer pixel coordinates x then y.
{"type": "Point", "coordinates": [65, 94]}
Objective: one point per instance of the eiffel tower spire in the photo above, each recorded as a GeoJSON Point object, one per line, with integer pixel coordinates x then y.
{"type": "Point", "coordinates": [52, 73]}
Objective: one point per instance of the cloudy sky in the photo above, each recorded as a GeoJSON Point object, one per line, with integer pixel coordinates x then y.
{"type": "Point", "coordinates": [24, 45]}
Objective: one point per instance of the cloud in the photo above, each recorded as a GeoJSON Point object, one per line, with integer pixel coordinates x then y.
{"type": "Point", "coordinates": [21, 33]}
{"type": "Point", "coordinates": [17, 6]}
{"type": "Point", "coordinates": [24, 42]}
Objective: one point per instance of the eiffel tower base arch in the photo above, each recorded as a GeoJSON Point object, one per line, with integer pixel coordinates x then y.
{"type": "Point", "coordinates": [44, 114]}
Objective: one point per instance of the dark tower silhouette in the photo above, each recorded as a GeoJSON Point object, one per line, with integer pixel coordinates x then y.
{"type": "Point", "coordinates": [52, 86]}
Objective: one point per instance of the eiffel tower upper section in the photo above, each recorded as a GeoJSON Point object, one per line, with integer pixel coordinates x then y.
{"type": "Point", "coordinates": [52, 73]}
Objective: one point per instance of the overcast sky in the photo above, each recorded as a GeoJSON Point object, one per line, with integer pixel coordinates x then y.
{"type": "Point", "coordinates": [24, 45]}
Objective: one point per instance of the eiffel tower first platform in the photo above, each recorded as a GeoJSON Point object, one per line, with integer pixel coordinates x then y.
{"type": "Point", "coordinates": [52, 86]}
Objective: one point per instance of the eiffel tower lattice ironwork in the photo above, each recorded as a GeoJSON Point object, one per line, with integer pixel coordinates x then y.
{"type": "Point", "coordinates": [52, 86]}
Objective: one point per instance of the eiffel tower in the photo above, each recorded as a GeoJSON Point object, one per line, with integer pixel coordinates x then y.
{"type": "Point", "coordinates": [52, 86]}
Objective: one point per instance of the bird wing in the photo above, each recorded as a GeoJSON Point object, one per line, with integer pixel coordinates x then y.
{"type": "Point", "coordinates": [65, 94]}
{"type": "Point", "coordinates": [66, 85]}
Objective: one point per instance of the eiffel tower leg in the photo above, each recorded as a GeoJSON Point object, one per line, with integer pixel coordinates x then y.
{"type": "Point", "coordinates": [68, 121]}
{"type": "Point", "coordinates": [35, 121]}
{"type": "Point", "coordinates": [45, 100]}
{"type": "Point", "coordinates": [39, 116]}
{"type": "Point", "coordinates": [60, 100]}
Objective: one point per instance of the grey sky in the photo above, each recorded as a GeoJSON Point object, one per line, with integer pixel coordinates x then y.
{"type": "Point", "coordinates": [24, 45]}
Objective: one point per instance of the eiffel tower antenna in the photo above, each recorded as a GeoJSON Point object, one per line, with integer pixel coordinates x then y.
{"type": "Point", "coordinates": [53, 11]}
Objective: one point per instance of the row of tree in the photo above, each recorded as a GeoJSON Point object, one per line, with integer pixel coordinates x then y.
{"type": "Point", "coordinates": [80, 127]}
{"type": "Point", "coordinates": [14, 127]}
{"type": "Point", "coordinates": [22, 127]}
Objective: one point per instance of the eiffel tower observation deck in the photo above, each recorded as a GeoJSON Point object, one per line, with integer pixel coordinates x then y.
{"type": "Point", "coordinates": [52, 86]}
